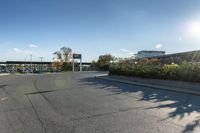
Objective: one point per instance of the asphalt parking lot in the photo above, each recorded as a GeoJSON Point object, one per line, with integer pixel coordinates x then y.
{"type": "Point", "coordinates": [80, 103]}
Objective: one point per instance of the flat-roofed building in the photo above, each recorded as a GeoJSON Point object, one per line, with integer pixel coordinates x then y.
{"type": "Point", "coordinates": [190, 56]}
{"type": "Point", "coordinates": [148, 54]}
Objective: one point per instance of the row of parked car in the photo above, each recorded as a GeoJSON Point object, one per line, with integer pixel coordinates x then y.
{"type": "Point", "coordinates": [12, 71]}
{"type": "Point", "coordinates": [4, 71]}
{"type": "Point", "coordinates": [26, 71]}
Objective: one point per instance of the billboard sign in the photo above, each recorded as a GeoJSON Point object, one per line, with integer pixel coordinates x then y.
{"type": "Point", "coordinates": [76, 56]}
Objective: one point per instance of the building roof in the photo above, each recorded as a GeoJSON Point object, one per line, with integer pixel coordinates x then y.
{"type": "Point", "coordinates": [34, 62]}
{"type": "Point", "coordinates": [188, 56]}
{"type": "Point", "coordinates": [151, 51]}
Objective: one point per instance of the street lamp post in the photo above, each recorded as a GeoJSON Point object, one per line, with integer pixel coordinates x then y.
{"type": "Point", "coordinates": [25, 66]}
{"type": "Point", "coordinates": [31, 63]}
{"type": "Point", "coordinates": [41, 58]}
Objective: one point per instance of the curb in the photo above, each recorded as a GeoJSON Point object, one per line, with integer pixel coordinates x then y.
{"type": "Point", "coordinates": [4, 74]}
{"type": "Point", "coordinates": [180, 90]}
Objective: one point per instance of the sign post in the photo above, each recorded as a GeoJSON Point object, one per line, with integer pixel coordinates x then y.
{"type": "Point", "coordinates": [77, 56]}
{"type": "Point", "coordinates": [80, 64]}
{"type": "Point", "coordinates": [73, 65]}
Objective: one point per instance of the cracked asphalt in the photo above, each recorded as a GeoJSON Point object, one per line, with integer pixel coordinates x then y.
{"type": "Point", "coordinates": [80, 103]}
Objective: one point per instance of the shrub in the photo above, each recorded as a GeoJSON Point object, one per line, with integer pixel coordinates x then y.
{"type": "Point", "coordinates": [186, 71]}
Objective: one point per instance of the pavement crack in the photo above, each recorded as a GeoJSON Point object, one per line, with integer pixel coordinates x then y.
{"type": "Point", "coordinates": [37, 115]}
{"type": "Point", "coordinates": [42, 94]}
{"type": "Point", "coordinates": [93, 116]}
{"type": "Point", "coordinates": [105, 114]}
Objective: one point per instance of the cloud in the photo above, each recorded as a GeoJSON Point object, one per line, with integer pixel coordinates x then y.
{"type": "Point", "coordinates": [126, 52]}
{"type": "Point", "coordinates": [159, 45]}
{"type": "Point", "coordinates": [16, 50]}
{"type": "Point", "coordinates": [33, 46]}
{"type": "Point", "coordinates": [21, 51]}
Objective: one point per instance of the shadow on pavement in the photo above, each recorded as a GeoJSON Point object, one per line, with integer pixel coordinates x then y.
{"type": "Point", "coordinates": [2, 86]}
{"type": "Point", "coordinates": [39, 92]}
{"type": "Point", "coordinates": [183, 104]}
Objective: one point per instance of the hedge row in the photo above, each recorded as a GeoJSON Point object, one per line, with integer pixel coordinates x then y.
{"type": "Point", "coordinates": [185, 71]}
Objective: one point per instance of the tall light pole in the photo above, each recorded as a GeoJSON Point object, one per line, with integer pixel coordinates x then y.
{"type": "Point", "coordinates": [31, 62]}
{"type": "Point", "coordinates": [41, 58]}
{"type": "Point", "coordinates": [25, 65]}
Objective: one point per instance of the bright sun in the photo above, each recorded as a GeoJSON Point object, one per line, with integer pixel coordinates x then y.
{"type": "Point", "coordinates": [194, 29]}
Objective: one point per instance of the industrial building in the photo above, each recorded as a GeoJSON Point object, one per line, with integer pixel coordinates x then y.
{"type": "Point", "coordinates": [148, 53]}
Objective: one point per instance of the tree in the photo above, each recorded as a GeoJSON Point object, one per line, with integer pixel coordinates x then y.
{"type": "Point", "coordinates": [57, 64]}
{"type": "Point", "coordinates": [63, 58]}
{"type": "Point", "coordinates": [104, 61]}
{"type": "Point", "coordinates": [66, 54]}
{"type": "Point", "coordinates": [58, 55]}
{"type": "Point", "coordinates": [93, 65]}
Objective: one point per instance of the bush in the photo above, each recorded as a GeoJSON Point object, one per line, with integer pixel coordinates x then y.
{"type": "Point", "coordinates": [186, 71]}
{"type": "Point", "coordinates": [66, 67]}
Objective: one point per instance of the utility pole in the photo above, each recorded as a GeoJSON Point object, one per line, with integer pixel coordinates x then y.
{"type": "Point", "coordinates": [41, 58]}
{"type": "Point", "coordinates": [25, 66]}
{"type": "Point", "coordinates": [31, 63]}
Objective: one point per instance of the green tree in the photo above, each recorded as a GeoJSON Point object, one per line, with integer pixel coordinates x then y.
{"type": "Point", "coordinates": [104, 61]}
{"type": "Point", "coordinates": [93, 65]}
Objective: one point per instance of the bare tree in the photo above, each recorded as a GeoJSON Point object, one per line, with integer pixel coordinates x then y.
{"type": "Point", "coordinates": [66, 53]}
{"type": "Point", "coordinates": [58, 55]}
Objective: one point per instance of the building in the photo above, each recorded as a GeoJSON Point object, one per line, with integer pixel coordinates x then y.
{"type": "Point", "coordinates": [190, 56]}
{"type": "Point", "coordinates": [148, 54]}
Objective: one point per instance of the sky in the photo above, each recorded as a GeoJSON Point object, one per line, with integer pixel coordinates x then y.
{"type": "Point", "coordinates": [96, 27]}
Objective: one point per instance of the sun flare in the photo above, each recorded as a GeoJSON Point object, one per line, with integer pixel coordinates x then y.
{"type": "Point", "coordinates": [194, 29]}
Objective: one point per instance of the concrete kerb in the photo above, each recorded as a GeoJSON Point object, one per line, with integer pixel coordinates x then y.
{"type": "Point", "coordinates": [4, 74]}
{"type": "Point", "coordinates": [180, 90]}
